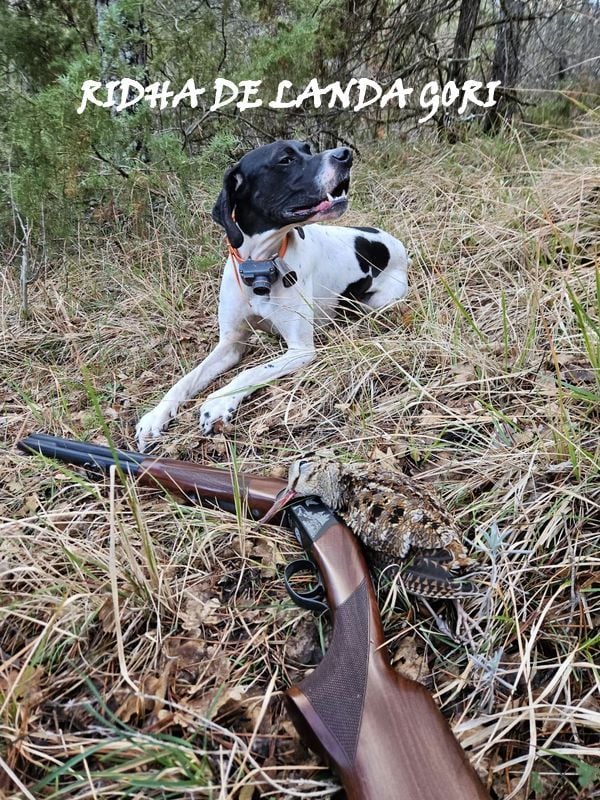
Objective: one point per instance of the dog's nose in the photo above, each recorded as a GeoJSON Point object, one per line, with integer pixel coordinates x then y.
{"type": "Point", "coordinates": [343, 154]}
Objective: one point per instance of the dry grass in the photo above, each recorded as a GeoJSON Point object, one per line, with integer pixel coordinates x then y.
{"type": "Point", "coordinates": [145, 645]}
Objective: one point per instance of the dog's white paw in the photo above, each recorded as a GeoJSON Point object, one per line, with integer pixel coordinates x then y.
{"type": "Point", "coordinates": [153, 423]}
{"type": "Point", "coordinates": [217, 409]}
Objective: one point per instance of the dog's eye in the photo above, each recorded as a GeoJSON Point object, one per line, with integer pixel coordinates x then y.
{"type": "Point", "coordinates": [286, 159]}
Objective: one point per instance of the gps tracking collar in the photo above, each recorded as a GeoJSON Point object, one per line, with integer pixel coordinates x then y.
{"type": "Point", "coordinates": [260, 275]}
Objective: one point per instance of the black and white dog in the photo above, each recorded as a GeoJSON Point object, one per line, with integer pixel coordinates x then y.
{"type": "Point", "coordinates": [280, 276]}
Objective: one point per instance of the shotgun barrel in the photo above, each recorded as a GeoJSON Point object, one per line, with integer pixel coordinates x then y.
{"type": "Point", "coordinates": [382, 732]}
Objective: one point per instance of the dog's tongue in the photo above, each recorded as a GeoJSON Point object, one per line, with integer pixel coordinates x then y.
{"type": "Point", "coordinates": [324, 205]}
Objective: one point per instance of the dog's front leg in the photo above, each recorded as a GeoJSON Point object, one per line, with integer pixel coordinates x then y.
{"type": "Point", "coordinates": [221, 405]}
{"type": "Point", "coordinates": [226, 355]}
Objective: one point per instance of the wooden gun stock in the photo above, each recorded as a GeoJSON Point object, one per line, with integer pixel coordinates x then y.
{"type": "Point", "coordinates": [383, 733]}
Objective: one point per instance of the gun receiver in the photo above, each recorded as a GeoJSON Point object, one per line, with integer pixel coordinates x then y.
{"type": "Point", "coordinates": [382, 732]}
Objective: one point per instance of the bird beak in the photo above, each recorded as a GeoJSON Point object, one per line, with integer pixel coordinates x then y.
{"type": "Point", "coordinates": [280, 503]}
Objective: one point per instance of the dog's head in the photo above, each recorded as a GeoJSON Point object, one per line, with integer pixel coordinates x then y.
{"type": "Point", "coordinates": [282, 185]}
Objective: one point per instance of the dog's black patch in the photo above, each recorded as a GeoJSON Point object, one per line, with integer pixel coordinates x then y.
{"type": "Point", "coordinates": [352, 299]}
{"type": "Point", "coordinates": [289, 279]}
{"type": "Point", "coordinates": [300, 232]}
{"type": "Point", "coordinates": [372, 257]}
{"type": "Point", "coordinates": [365, 228]}
{"type": "Point", "coordinates": [358, 291]}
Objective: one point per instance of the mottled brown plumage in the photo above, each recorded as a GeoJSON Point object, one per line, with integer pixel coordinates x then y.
{"type": "Point", "coordinates": [398, 520]}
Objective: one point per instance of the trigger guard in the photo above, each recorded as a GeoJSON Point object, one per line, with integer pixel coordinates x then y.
{"type": "Point", "coordinates": [313, 598]}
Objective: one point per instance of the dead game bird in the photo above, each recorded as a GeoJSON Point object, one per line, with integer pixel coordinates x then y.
{"type": "Point", "coordinates": [396, 518]}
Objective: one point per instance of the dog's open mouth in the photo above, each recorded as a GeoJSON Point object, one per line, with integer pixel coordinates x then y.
{"type": "Point", "coordinates": [335, 200]}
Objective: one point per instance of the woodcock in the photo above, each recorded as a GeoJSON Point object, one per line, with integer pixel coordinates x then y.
{"type": "Point", "coordinates": [400, 522]}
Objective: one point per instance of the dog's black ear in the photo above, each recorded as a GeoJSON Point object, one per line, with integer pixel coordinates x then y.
{"type": "Point", "coordinates": [222, 212]}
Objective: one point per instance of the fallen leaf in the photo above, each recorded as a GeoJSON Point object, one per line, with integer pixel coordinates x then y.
{"type": "Point", "coordinates": [106, 615]}
{"type": "Point", "coordinates": [464, 373]}
{"type": "Point", "coordinates": [578, 374]}
{"type": "Point", "coordinates": [407, 661]}
{"type": "Point", "coordinates": [247, 792]}
{"type": "Point", "coordinates": [200, 610]}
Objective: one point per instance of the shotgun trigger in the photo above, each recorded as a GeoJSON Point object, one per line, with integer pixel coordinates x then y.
{"type": "Point", "coordinates": [313, 598]}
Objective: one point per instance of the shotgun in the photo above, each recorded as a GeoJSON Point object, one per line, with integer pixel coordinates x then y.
{"type": "Point", "coordinates": [382, 732]}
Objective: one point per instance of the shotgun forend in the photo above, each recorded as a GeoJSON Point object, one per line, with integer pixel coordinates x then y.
{"type": "Point", "coordinates": [382, 732]}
